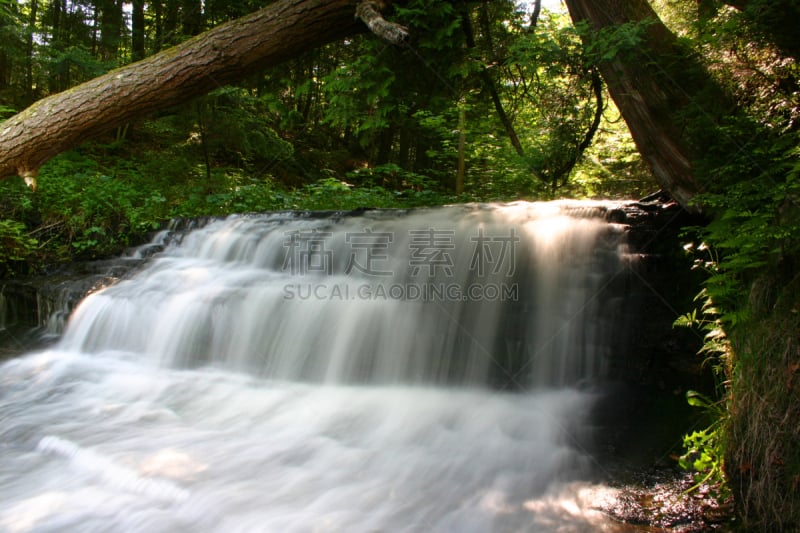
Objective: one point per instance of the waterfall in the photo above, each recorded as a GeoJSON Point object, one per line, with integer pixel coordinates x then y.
{"type": "Point", "coordinates": [514, 295]}
{"type": "Point", "coordinates": [388, 370]}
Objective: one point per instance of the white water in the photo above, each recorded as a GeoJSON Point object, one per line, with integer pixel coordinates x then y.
{"type": "Point", "coordinates": [211, 393]}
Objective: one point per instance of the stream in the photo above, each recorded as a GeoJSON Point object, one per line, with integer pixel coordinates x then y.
{"type": "Point", "coordinates": [450, 369]}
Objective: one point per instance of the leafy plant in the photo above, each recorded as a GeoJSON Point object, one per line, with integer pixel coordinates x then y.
{"type": "Point", "coordinates": [705, 449]}
{"type": "Point", "coordinates": [17, 247]}
{"type": "Point", "coordinates": [613, 41]}
{"type": "Point", "coordinates": [6, 111]}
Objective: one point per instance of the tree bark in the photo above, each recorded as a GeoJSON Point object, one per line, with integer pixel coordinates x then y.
{"type": "Point", "coordinates": [225, 54]}
{"type": "Point", "coordinates": [654, 88]}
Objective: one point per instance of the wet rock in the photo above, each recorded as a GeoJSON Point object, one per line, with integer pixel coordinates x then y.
{"type": "Point", "coordinates": [663, 501]}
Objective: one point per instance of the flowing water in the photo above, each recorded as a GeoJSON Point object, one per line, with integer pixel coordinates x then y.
{"type": "Point", "coordinates": [422, 371]}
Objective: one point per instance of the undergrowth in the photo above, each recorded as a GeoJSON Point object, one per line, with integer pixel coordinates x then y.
{"type": "Point", "coordinates": [749, 314]}
{"type": "Point", "coordinates": [84, 209]}
{"type": "Point", "coordinates": [764, 465]}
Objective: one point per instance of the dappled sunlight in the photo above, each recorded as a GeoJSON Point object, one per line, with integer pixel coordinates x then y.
{"type": "Point", "coordinates": [575, 507]}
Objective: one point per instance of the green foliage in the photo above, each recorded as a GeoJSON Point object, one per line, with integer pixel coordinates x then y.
{"type": "Point", "coordinates": [96, 211]}
{"type": "Point", "coordinates": [357, 95]}
{"type": "Point", "coordinates": [331, 193]}
{"type": "Point", "coordinates": [704, 450]}
{"type": "Point", "coordinates": [84, 209]}
{"type": "Point", "coordinates": [75, 62]}
{"type": "Point", "coordinates": [6, 112]}
{"type": "Point", "coordinates": [230, 126]}
{"type": "Point", "coordinates": [612, 166]}
{"type": "Point", "coordinates": [18, 247]}
{"type": "Point", "coordinates": [351, 124]}
{"type": "Point", "coordinates": [621, 41]}
{"type": "Point", "coordinates": [553, 92]}
{"type": "Point", "coordinates": [710, 322]}
{"type": "Point", "coordinates": [748, 163]}
{"type": "Point", "coordinates": [755, 223]}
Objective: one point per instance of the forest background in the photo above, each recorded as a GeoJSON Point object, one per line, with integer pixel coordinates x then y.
{"type": "Point", "coordinates": [484, 103]}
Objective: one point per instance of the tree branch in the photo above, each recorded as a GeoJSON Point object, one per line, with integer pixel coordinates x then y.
{"type": "Point", "coordinates": [369, 13]}
{"type": "Point", "coordinates": [537, 11]}
{"type": "Point", "coordinates": [562, 174]}
{"type": "Point", "coordinates": [225, 54]}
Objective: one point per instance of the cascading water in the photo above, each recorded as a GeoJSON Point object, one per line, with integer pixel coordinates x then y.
{"type": "Point", "coordinates": [417, 371]}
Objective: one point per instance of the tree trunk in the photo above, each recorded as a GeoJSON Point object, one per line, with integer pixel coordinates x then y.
{"type": "Point", "coordinates": [192, 17]}
{"type": "Point", "coordinates": [227, 53]}
{"type": "Point", "coordinates": [171, 15]}
{"type": "Point", "coordinates": [462, 148]}
{"type": "Point", "coordinates": [110, 29]}
{"type": "Point", "coordinates": [137, 30]}
{"type": "Point", "coordinates": [29, 85]}
{"type": "Point", "coordinates": [655, 88]}
{"type": "Point", "coordinates": [6, 63]}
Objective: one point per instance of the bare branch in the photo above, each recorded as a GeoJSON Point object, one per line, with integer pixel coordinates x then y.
{"type": "Point", "coordinates": [369, 13]}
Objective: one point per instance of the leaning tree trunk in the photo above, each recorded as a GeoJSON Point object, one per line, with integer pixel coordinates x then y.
{"type": "Point", "coordinates": [227, 53]}
{"type": "Point", "coordinates": [656, 87]}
